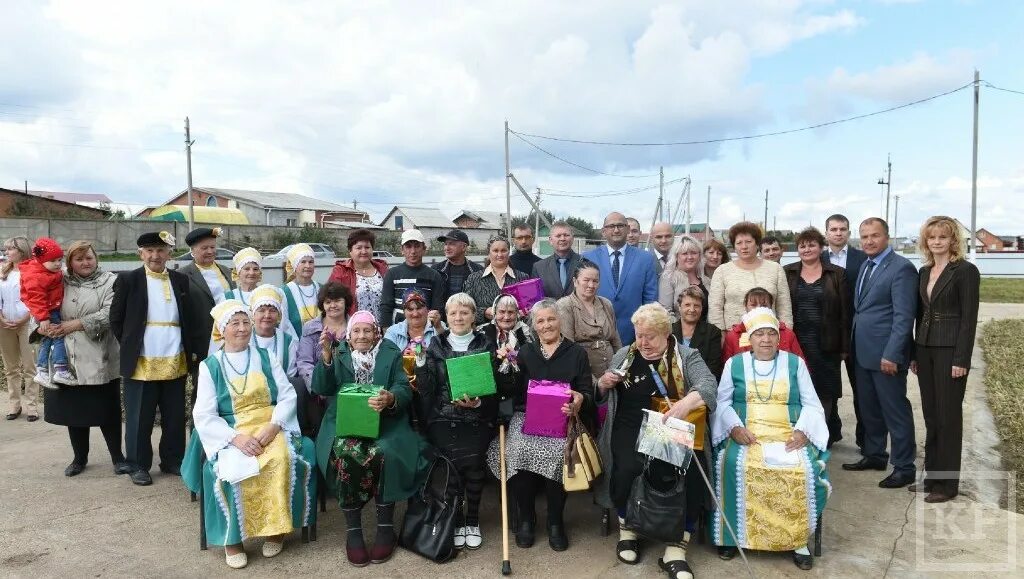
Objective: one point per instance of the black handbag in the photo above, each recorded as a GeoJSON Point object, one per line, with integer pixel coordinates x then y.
{"type": "Point", "coordinates": [429, 525]}
{"type": "Point", "coordinates": [657, 502]}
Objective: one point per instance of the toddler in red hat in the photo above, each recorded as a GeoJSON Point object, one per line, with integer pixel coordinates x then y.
{"type": "Point", "coordinates": [42, 291]}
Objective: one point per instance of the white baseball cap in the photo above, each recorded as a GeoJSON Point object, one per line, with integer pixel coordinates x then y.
{"type": "Point", "coordinates": [413, 235]}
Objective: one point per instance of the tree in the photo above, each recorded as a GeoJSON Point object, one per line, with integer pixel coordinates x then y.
{"type": "Point", "coordinates": [584, 228]}
{"type": "Point", "coordinates": [531, 219]}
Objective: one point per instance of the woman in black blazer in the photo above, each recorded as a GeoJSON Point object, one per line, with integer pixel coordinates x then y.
{"type": "Point", "coordinates": [694, 331]}
{"type": "Point", "coordinates": [947, 319]}
{"type": "Point", "coordinates": [822, 316]}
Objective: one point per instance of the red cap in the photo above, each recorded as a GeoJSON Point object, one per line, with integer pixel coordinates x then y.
{"type": "Point", "coordinates": [46, 250]}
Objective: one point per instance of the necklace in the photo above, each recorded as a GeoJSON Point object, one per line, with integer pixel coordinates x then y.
{"type": "Point", "coordinates": [773, 372]}
{"type": "Point", "coordinates": [304, 297]}
{"type": "Point", "coordinates": [244, 372]}
{"type": "Point", "coordinates": [544, 351]}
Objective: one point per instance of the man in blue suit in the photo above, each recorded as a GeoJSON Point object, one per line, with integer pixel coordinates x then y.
{"type": "Point", "coordinates": [629, 276]}
{"type": "Point", "coordinates": [839, 252]}
{"type": "Point", "coordinates": [884, 306]}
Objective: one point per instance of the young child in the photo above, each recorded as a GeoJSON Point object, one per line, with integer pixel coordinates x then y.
{"type": "Point", "coordinates": [737, 339]}
{"type": "Point", "coordinates": [42, 291]}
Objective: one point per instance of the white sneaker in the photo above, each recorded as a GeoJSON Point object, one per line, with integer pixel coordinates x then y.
{"type": "Point", "coordinates": [64, 377]}
{"type": "Point", "coordinates": [473, 538]}
{"type": "Point", "coordinates": [460, 537]}
{"type": "Point", "coordinates": [42, 377]}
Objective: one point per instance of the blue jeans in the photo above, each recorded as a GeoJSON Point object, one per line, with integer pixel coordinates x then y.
{"type": "Point", "coordinates": [59, 357]}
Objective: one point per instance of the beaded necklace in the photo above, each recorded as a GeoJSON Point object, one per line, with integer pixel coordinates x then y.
{"type": "Point", "coordinates": [773, 372]}
{"type": "Point", "coordinates": [245, 372]}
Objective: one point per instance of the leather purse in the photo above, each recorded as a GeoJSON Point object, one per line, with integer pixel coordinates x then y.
{"type": "Point", "coordinates": [658, 514]}
{"type": "Point", "coordinates": [582, 462]}
{"type": "Point", "coordinates": [428, 528]}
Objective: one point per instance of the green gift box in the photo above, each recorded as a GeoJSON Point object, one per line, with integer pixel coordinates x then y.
{"type": "Point", "coordinates": [471, 375]}
{"type": "Point", "coordinates": [355, 417]}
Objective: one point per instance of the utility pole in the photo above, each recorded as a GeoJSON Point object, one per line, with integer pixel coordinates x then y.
{"type": "Point", "coordinates": [668, 210]}
{"type": "Point", "coordinates": [765, 211]}
{"type": "Point", "coordinates": [974, 169]}
{"type": "Point", "coordinates": [508, 185]}
{"type": "Point", "coordinates": [888, 184]}
{"type": "Point", "coordinates": [536, 218]}
{"type": "Point", "coordinates": [657, 210]}
{"type": "Point", "coordinates": [896, 219]}
{"type": "Point", "coordinates": [188, 168]}
{"type": "Point", "coordinates": [707, 218]}
{"type": "Point", "coordinates": [689, 216]}
{"type": "Point", "coordinates": [26, 186]}
{"type": "Point", "coordinates": [355, 204]}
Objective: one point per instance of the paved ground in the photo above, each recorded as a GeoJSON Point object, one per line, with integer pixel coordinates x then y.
{"type": "Point", "coordinates": [100, 525]}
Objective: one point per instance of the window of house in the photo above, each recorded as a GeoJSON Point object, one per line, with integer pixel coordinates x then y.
{"type": "Point", "coordinates": [398, 223]}
{"type": "Point", "coordinates": [211, 201]}
{"type": "Point", "coordinates": [290, 222]}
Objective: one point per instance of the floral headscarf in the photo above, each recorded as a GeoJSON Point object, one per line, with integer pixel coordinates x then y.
{"type": "Point", "coordinates": [364, 363]}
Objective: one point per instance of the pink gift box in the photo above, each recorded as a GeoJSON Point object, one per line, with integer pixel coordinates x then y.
{"type": "Point", "coordinates": [526, 293]}
{"type": "Point", "coordinates": [544, 400]}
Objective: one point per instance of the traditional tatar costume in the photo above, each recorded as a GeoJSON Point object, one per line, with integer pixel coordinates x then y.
{"type": "Point", "coordinates": [244, 257]}
{"type": "Point", "coordinates": [283, 345]}
{"type": "Point", "coordinates": [300, 301]}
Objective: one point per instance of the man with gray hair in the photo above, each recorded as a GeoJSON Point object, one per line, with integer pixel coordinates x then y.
{"type": "Point", "coordinates": [556, 270]}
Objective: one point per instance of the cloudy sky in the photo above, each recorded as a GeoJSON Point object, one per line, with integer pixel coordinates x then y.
{"type": "Point", "coordinates": [404, 102]}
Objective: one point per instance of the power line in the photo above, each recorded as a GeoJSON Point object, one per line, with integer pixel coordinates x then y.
{"type": "Point", "coordinates": [589, 194]}
{"type": "Point", "coordinates": [88, 146]}
{"type": "Point", "coordinates": [748, 137]}
{"type": "Point", "coordinates": [990, 85]}
{"type": "Point", "coordinates": [564, 160]}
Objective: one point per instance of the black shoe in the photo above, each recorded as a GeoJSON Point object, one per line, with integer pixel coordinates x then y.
{"type": "Point", "coordinates": [804, 562]}
{"type": "Point", "coordinates": [73, 469]}
{"type": "Point", "coordinates": [14, 415]}
{"type": "Point", "coordinates": [32, 417]}
{"type": "Point", "coordinates": [897, 480]}
{"type": "Point", "coordinates": [123, 467]}
{"type": "Point", "coordinates": [727, 553]}
{"type": "Point", "coordinates": [525, 535]}
{"type": "Point", "coordinates": [674, 568]}
{"type": "Point", "coordinates": [629, 545]}
{"type": "Point", "coordinates": [141, 478]}
{"type": "Point", "coordinates": [172, 470]}
{"type": "Point", "coordinates": [557, 538]}
{"type": "Point", "coordinates": [866, 464]}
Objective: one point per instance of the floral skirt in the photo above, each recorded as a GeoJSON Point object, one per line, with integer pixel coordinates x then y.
{"type": "Point", "coordinates": [357, 466]}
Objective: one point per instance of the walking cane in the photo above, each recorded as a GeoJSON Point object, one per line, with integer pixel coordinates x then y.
{"type": "Point", "coordinates": [506, 565]}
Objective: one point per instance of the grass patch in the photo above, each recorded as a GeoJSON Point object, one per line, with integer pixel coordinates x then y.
{"type": "Point", "coordinates": [1004, 381]}
{"type": "Point", "coordinates": [1002, 290]}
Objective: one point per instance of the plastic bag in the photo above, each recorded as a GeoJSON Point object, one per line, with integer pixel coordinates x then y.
{"type": "Point", "coordinates": [670, 441]}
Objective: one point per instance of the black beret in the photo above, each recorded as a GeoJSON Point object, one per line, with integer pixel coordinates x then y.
{"type": "Point", "coordinates": [156, 239]}
{"type": "Point", "coordinates": [200, 233]}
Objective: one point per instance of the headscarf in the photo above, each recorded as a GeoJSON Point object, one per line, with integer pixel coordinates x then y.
{"type": "Point", "coordinates": [755, 319]}
{"type": "Point", "coordinates": [509, 337]}
{"type": "Point", "coordinates": [266, 295]}
{"type": "Point", "coordinates": [221, 314]}
{"type": "Point", "coordinates": [245, 256]}
{"type": "Point", "coordinates": [364, 363]}
{"type": "Point", "coordinates": [295, 255]}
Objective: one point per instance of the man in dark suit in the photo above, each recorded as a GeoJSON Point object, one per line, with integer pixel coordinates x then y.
{"type": "Point", "coordinates": [208, 282]}
{"type": "Point", "coordinates": [556, 271]}
{"type": "Point", "coordinates": [523, 258]}
{"type": "Point", "coordinates": [629, 277]}
{"type": "Point", "coordinates": [884, 306]}
{"type": "Point", "coordinates": [661, 244]}
{"type": "Point", "coordinates": [149, 318]}
{"type": "Point", "coordinates": [840, 253]}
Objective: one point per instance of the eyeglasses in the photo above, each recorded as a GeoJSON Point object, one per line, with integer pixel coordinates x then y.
{"type": "Point", "coordinates": [615, 225]}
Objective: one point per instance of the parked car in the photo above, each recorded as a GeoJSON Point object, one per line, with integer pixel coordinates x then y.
{"type": "Point", "coordinates": [383, 254]}
{"type": "Point", "coordinates": [222, 253]}
{"type": "Point", "coordinates": [319, 250]}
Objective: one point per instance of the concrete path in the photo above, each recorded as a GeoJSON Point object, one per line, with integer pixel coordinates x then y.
{"type": "Point", "coordinates": [100, 525]}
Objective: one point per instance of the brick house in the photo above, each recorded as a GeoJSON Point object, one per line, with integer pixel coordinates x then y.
{"type": "Point", "coordinates": [15, 203]}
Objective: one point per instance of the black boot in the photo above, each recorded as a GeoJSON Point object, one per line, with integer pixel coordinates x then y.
{"type": "Point", "coordinates": [355, 546]}
{"type": "Point", "coordinates": [384, 543]}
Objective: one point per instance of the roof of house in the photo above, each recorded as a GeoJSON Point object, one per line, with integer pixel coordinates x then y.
{"type": "Point", "coordinates": [492, 218]}
{"type": "Point", "coordinates": [421, 217]}
{"type": "Point", "coordinates": [68, 197]}
{"type": "Point", "coordinates": [54, 200]}
{"type": "Point", "coordinates": [352, 224]}
{"type": "Point", "coordinates": [275, 200]}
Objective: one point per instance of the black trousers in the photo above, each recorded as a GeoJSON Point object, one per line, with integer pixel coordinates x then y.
{"type": "Point", "coordinates": [79, 436]}
{"type": "Point", "coordinates": [835, 424]}
{"type": "Point", "coordinates": [942, 400]}
{"type": "Point", "coordinates": [310, 412]}
{"type": "Point", "coordinates": [526, 485]}
{"type": "Point", "coordinates": [141, 399]}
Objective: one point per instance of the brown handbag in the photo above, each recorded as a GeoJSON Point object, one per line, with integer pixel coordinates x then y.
{"type": "Point", "coordinates": [582, 462]}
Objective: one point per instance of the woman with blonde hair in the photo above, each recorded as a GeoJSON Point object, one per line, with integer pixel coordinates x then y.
{"type": "Point", "coordinates": [947, 320]}
{"type": "Point", "coordinates": [19, 363]}
{"type": "Point", "coordinates": [685, 268]}
{"type": "Point", "coordinates": [94, 356]}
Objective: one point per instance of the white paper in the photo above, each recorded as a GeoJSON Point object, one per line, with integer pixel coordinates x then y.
{"type": "Point", "coordinates": [234, 466]}
{"type": "Point", "coordinates": [775, 455]}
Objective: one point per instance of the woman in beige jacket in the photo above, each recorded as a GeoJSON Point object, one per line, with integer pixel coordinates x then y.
{"type": "Point", "coordinates": [15, 327]}
{"type": "Point", "coordinates": [93, 356]}
{"type": "Point", "coordinates": [589, 319]}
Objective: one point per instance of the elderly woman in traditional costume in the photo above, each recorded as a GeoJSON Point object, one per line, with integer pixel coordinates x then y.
{"type": "Point", "coordinates": [258, 478]}
{"type": "Point", "coordinates": [300, 290]}
{"type": "Point", "coordinates": [388, 468]}
{"type": "Point", "coordinates": [770, 442]}
{"type": "Point", "coordinates": [534, 463]}
{"type": "Point", "coordinates": [247, 275]}
{"type": "Point", "coordinates": [267, 308]}
{"type": "Point", "coordinates": [656, 372]}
